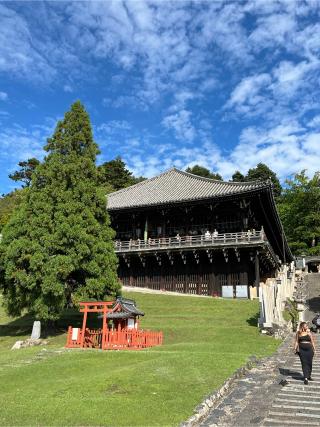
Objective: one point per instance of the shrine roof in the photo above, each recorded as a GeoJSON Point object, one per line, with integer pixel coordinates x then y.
{"type": "Point", "coordinates": [174, 186]}
{"type": "Point", "coordinates": [127, 306]}
{"type": "Point", "coordinates": [123, 308]}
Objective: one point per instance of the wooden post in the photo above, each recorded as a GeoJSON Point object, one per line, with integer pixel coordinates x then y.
{"type": "Point", "coordinates": [84, 324]}
{"type": "Point", "coordinates": [69, 336]}
{"type": "Point", "coordinates": [257, 272]}
{"type": "Point", "coordinates": [104, 328]}
{"type": "Point", "coordinates": [145, 234]}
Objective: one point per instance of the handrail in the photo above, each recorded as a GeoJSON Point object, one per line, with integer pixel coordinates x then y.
{"type": "Point", "coordinates": [206, 239]}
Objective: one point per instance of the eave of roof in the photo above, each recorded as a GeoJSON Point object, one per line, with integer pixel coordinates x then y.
{"type": "Point", "coordinates": [176, 186]}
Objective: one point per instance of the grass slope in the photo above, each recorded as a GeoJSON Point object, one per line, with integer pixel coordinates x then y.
{"type": "Point", "coordinates": [205, 341]}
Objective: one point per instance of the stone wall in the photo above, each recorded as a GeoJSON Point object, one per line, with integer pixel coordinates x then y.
{"type": "Point", "coordinates": [273, 295]}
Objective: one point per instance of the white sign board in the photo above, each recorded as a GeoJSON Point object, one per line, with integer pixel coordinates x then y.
{"type": "Point", "coordinates": [227, 291]}
{"type": "Point", "coordinates": [75, 333]}
{"type": "Point", "coordinates": [130, 323]}
{"type": "Point", "coordinates": [242, 291]}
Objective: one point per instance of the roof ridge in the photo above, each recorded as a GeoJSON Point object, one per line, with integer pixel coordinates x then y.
{"type": "Point", "coordinates": [221, 181]}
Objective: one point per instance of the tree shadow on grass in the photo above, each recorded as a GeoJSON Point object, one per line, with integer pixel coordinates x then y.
{"type": "Point", "coordinates": [17, 327]}
{"type": "Point", "coordinates": [253, 321]}
{"type": "Point", "coordinates": [22, 326]}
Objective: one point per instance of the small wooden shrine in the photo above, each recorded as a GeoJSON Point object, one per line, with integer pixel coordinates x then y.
{"type": "Point", "coordinates": [120, 327]}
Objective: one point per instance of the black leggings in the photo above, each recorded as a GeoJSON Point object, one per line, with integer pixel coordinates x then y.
{"type": "Point", "coordinates": [306, 356]}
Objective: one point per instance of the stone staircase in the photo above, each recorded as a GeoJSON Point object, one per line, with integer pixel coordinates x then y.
{"type": "Point", "coordinates": [313, 295]}
{"type": "Point", "coordinates": [259, 399]}
{"type": "Point", "coordinates": [297, 404]}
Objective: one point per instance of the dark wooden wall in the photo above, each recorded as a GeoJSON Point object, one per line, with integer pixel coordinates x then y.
{"type": "Point", "coordinates": [203, 278]}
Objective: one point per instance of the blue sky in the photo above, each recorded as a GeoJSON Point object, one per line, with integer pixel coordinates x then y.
{"type": "Point", "coordinates": [222, 84]}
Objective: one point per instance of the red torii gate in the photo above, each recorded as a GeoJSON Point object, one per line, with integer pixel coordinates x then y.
{"type": "Point", "coordinates": [105, 338]}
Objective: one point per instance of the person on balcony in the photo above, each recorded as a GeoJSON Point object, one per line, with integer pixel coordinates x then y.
{"type": "Point", "coordinates": [207, 235]}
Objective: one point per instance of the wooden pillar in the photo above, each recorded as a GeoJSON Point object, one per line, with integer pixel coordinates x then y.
{"type": "Point", "coordinates": [164, 227]}
{"type": "Point", "coordinates": [257, 272]}
{"type": "Point", "coordinates": [104, 328]}
{"type": "Point", "coordinates": [133, 226]}
{"type": "Point", "coordinates": [145, 233]}
{"type": "Point", "coordinates": [84, 324]}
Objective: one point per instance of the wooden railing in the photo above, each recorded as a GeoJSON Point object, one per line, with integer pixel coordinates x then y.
{"type": "Point", "coordinates": [114, 339]}
{"type": "Point", "coordinates": [203, 240]}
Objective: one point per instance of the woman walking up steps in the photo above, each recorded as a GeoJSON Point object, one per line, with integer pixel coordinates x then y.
{"type": "Point", "coordinates": [304, 346]}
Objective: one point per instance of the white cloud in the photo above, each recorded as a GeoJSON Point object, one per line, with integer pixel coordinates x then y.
{"type": "Point", "coordinates": [290, 77]}
{"type": "Point", "coordinates": [18, 143]}
{"type": "Point", "coordinates": [114, 126]}
{"type": "Point", "coordinates": [247, 90]}
{"type": "Point", "coordinates": [286, 149]}
{"type": "Point", "coordinates": [181, 124]}
{"type": "Point", "coordinates": [3, 96]}
{"type": "Point", "coordinates": [315, 122]}
{"type": "Point", "coordinates": [272, 30]}
{"type": "Point", "coordinates": [260, 59]}
{"type": "Point", "coordinates": [18, 54]}
{"type": "Point", "coordinates": [68, 88]}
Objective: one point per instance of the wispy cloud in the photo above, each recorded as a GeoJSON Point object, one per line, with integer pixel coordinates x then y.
{"type": "Point", "coordinates": [181, 124]}
{"type": "Point", "coordinates": [3, 96]}
{"type": "Point", "coordinates": [225, 84]}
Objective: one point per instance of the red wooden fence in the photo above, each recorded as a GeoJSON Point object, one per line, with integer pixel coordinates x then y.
{"type": "Point", "coordinates": [114, 339]}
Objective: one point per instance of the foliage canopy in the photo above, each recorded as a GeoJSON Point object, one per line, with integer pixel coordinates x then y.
{"type": "Point", "coordinates": [263, 172]}
{"type": "Point", "coordinates": [202, 171]}
{"type": "Point", "coordinates": [25, 172]}
{"type": "Point", "coordinates": [114, 175]}
{"type": "Point", "coordinates": [299, 208]}
{"type": "Point", "coordinates": [57, 247]}
{"type": "Point", "coordinates": [8, 203]}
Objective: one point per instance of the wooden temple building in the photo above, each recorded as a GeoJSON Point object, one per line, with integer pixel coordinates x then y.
{"type": "Point", "coordinates": [185, 233]}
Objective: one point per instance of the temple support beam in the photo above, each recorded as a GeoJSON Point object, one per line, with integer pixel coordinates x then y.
{"type": "Point", "coordinates": [257, 271]}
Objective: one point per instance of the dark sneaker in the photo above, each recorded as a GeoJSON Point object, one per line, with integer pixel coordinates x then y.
{"type": "Point", "coordinates": [305, 381]}
{"type": "Point", "coordinates": [310, 379]}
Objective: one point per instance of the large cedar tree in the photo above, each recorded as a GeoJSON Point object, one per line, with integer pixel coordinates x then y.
{"type": "Point", "coordinates": [57, 248]}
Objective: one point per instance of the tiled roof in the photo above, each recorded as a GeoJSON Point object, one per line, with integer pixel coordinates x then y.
{"type": "Point", "coordinates": [175, 186]}
{"type": "Point", "coordinates": [128, 306]}
{"type": "Point", "coordinates": [123, 308]}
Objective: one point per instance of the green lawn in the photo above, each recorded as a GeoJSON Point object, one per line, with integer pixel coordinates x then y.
{"type": "Point", "coordinates": [205, 340]}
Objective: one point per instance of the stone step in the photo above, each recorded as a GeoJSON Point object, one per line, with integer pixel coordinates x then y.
{"type": "Point", "coordinates": [303, 387]}
{"type": "Point", "coordinates": [279, 423]}
{"type": "Point", "coordinates": [302, 391]}
{"type": "Point", "coordinates": [292, 414]}
{"type": "Point", "coordinates": [303, 408]}
{"type": "Point", "coordinates": [297, 400]}
{"type": "Point", "coordinates": [301, 395]}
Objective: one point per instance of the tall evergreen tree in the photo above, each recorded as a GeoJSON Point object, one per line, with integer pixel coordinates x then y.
{"type": "Point", "coordinates": [8, 203]}
{"type": "Point", "coordinates": [299, 209]}
{"type": "Point", "coordinates": [238, 177]}
{"type": "Point", "coordinates": [57, 248]}
{"type": "Point", "coordinates": [115, 174]}
{"type": "Point", "coordinates": [202, 171]}
{"type": "Point", "coordinates": [263, 172]}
